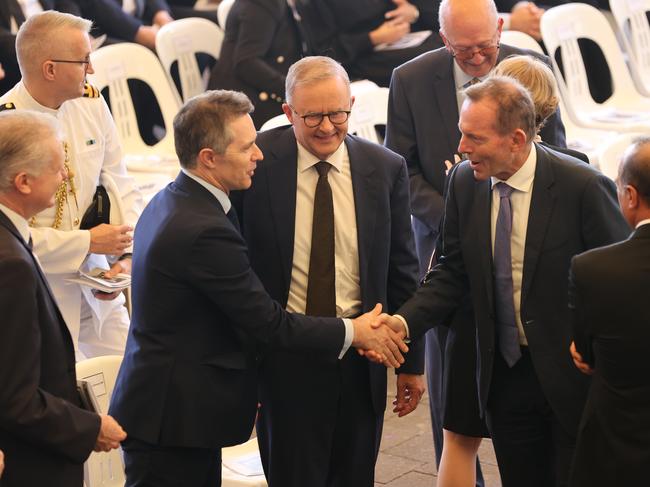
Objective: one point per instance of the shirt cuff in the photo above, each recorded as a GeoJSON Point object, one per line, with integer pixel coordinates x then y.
{"type": "Point", "coordinates": [407, 339]}
{"type": "Point", "coordinates": [349, 336]}
{"type": "Point", "coordinates": [506, 20]}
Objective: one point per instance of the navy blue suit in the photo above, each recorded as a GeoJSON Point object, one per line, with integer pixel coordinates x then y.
{"type": "Point", "coordinates": [188, 379]}
{"type": "Point", "coordinates": [301, 393]}
{"type": "Point", "coordinates": [44, 433]}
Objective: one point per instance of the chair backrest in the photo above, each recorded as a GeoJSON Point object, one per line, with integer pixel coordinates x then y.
{"type": "Point", "coordinates": [370, 109]}
{"type": "Point", "coordinates": [277, 121]}
{"type": "Point", "coordinates": [102, 469]}
{"type": "Point", "coordinates": [179, 41]}
{"type": "Point", "coordinates": [521, 40]}
{"type": "Point", "coordinates": [610, 154]}
{"type": "Point", "coordinates": [222, 12]}
{"type": "Point", "coordinates": [632, 22]}
{"type": "Point", "coordinates": [114, 65]}
{"type": "Point", "coordinates": [561, 27]}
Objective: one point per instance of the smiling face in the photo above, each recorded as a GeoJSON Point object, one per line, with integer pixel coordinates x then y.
{"type": "Point", "coordinates": [489, 152]}
{"type": "Point", "coordinates": [326, 96]}
{"type": "Point", "coordinates": [236, 166]}
{"type": "Point", "coordinates": [71, 76]}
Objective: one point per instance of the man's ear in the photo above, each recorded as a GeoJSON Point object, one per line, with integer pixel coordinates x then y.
{"type": "Point", "coordinates": [22, 183]}
{"type": "Point", "coordinates": [48, 70]}
{"type": "Point", "coordinates": [207, 158]}
{"type": "Point", "coordinates": [518, 140]}
{"type": "Point", "coordinates": [288, 112]}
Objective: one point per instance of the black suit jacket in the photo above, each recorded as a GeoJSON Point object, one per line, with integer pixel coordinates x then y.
{"type": "Point", "coordinates": [423, 127]}
{"type": "Point", "coordinates": [573, 209]}
{"type": "Point", "coordinates": [387, 261]}
{"type": "Point", "coordinates": [261, 42]}
{"type": "Point", "coordinates": [609, 288]}
{"type": "Point", "coordinates": [109, 18]}
{"type": "Point", "coordinates": [188, 378]}
{"type": "Point", "coordinates": [44, 434]}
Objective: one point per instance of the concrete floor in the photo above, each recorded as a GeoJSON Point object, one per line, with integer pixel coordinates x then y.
{"type": "Point", "coordinates": [406, 457]}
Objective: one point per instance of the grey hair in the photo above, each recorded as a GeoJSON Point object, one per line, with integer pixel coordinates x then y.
{"type": "Point", "coordinates": [22, 133]}
{"type": "Point", "coordinates": [313, 69]}
{"type": "Point", "coordinates": [203, 123]}
{"type": "Point", "coordinates": [33, 41]}
{"type": "Point", "coordinates": [443, 12]}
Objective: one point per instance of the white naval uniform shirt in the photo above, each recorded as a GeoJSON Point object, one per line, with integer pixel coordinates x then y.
{"type": "Point", "coordinates": [94, 152]}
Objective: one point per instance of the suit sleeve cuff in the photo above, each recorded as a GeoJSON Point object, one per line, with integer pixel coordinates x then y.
{"type": "Point", "coordinates": [406, 327]}
{"type": "Point", "coordinates": [349, 336]}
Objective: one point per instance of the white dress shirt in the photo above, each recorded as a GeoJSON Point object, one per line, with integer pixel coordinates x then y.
{"type": "Point", "coordinates": [642, 222]}
{"type": "Point", "coordinates": [223, 199]}
{"type": "Point", "coordinates": [461, 78]}
{"type": "Point", "coordinates": [522, 182]}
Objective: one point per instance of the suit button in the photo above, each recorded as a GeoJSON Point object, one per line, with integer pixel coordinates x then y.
{"type": "Point", "coordinates": [280, 59]}
{"type": "Point", "coordinates": [264, 96]}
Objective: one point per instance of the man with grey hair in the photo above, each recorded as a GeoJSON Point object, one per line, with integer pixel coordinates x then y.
{"type": "Point", "coordinates": [328, 230]}
{"type": "Point", "coordinates": [425, 98]}
{"type": "Point", "coordinates": [515, 214]}
{"type": "Point", "coordinates": [44, 433]}
{"type": "Point", "coordinates": [188, 383]}
{"type": "Point", "coordinates": [54, 82]}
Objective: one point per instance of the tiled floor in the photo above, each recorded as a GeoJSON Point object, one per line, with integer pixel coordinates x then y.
{"type": "Point", "coordinates": [406, 457]}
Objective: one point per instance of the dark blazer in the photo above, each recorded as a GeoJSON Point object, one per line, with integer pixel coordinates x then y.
{"type": "Point", "coordinates": [573, 209]}
{"type": "Point", "coordinates": [611, 318]}
{"type": "Point", "coordinates": [423, 127]}
{"type": "Point", "coordinates": [260, 44]}
{"type": "Point", "coordinates": [188, 378]}
{"type": "Point", "coordinates": [9, 9]}
{"type": "Point", "coordinates": [44, 434]}
{"type": "Point", "coordinates": [387, 261]}
{"type": "Point", "coordinates": [340, 29]}
{"type": "Point", "coordinates": [109, 18]}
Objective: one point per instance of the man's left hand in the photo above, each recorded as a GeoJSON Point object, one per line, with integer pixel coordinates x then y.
{"type": "Point", "coordinates": [120, 267]}
{"type": "Point", "coordinates": [410, 388]}
{"type": "Point", "coordinates": [578, 362]}
{"type": "Point", "coordinates": [403, 12]}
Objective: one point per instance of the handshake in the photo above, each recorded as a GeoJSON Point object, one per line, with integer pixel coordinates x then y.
{"type": "Point", "coordinates": [380, 337]}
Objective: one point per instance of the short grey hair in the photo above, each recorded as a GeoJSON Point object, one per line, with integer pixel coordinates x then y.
{"type": "Point", "coordinates": [22, 133]}
{"type": "Point", "coordinates": [203, 123]}
{"type": "Point", "coordinates": [515, 107]}
{"type": "Point", "coordinates": [443, 12]}
{"type": "Point", "coordinates": [312, 69]}
{"type": "Point", "coordinates": [34, 39]}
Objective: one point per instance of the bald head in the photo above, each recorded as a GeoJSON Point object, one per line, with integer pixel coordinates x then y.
{"type": "Point", "coordinates": [456, 16]}
{"type": "Point", "coordinates": [634, 169]}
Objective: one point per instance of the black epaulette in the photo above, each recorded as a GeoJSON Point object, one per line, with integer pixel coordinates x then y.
{"type": "Point", "coordinates": [90, 91]}
{"type": "Point", "coordinates": [7, 106]}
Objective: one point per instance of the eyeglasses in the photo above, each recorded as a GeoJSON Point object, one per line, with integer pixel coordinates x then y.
{"type": "Point", "coordinates": [467, 53]}
{"type": "Point", "coordinates": [313, 120]}
{"type": "Point", "coordinates": [85, 62]}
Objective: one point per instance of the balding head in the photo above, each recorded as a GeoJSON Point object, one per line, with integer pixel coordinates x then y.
{"type": "Point", "coordinates": [471, 26]}
{"type": "Point", "coordinates": [633, 181]}
{"type": "Point", "coordinates": [45, 36]}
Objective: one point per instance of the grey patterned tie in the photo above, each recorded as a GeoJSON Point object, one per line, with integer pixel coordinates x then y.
{"type": "Point", "coordinates": [507, 332]}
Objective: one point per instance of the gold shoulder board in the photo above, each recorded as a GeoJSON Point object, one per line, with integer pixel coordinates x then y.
{"type": "Point", "coordinates": [7, 106]}
{"type": "Point", "coordinates": [90, 91]}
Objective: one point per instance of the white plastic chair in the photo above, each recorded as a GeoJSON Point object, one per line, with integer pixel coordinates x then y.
{"type": "Point", "coordinates": [248, 454]}
{"type": "Point", "coordinates": [632, 23]}
{"type": "Point", "coordinates": [611, 153]}
{"type": "Point", "coordinates": [222, 12]}
{"type": "Point", "coordinates": [277, 121]}
{"type": "Point", "coordinates": [520, 39]}
{"type": "Point", "coordinates": [370, 109]}
{"type": "Point", "coordinates": [626, 110]}
{"type": "Point", "coordinates": [113, 66]}
{"type": "Point", "coordinates": [179, 41]}
{"type": "Point", "coordinates": [102, 469]}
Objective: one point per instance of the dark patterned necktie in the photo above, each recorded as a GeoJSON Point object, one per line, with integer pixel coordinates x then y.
{"type": "Point", "coordinates": [232, 216]}
{"type": "Point", "coordinates": [321, 292]}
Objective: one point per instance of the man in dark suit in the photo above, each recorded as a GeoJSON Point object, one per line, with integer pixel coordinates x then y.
{"type": "Point", "coordinates": [424, 102]}
{"type": "Point", "coordinates": [515, 214]}
{"type": "Point", "coordinates": [12, 15]}
{"type": "Point", "coordinates": [44, 433]}
{"type": "Point", "coordinates": [329, 433]}
{"type": "Point", "coordinates": [187, 385]}
{"type": "Point", "coordinates": [608, 289]}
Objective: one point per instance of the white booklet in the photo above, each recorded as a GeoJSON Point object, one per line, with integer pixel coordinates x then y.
{"type": "Point", "coordinates": [412, 39]}
{"type": "Point", "coordinates": [95, 279]}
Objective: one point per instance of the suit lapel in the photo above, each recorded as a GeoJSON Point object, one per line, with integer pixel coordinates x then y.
{"type": "Point", "coordinates": [365, 197]}
{"type": "Point", "coordinates": [483, 217]}
{"type": "Point", "coordinates": [539, 216]}
{"type": "Point", "coordinates": [444, 88]}
{"type": "Point", "coordinates": [281, 173]}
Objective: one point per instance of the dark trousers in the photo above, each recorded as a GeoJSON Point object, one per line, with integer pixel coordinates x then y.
{"type": "Point", "coordinates": [302, 446]}
{"type": "Point", "coordinates": [150, 465]}
{"type": "Point", "coordinates": [531, 446]}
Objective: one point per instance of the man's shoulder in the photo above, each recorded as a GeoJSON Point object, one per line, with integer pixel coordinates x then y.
{"type": "Point", "coordinates": [372, 150]}
{"type": "Point", "coordinates": [425, 65]}
{"type": "Point", "coordinates": [567, 167]}
{"type": "Point", "coordinates": [275, 137]}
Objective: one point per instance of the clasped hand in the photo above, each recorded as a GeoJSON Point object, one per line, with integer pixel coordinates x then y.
{"type": "Point", "coordinates": [380, 337]}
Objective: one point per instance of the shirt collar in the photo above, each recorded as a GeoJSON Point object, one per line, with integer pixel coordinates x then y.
{"type": "Point", "coordinates": [31, 103]}
{"type": "Point", "coordinates": [221, 196]}
{"type": "Point", "coordinates": [306, 159]}
{"type": "Point", "coordinates": [643, 222]}
{"type": "Point", "coordinates": [461, 78]}
{"type": "Point", "coordinates": [19, 222]}
{"type": "Point", "coordinates": [522, 180]}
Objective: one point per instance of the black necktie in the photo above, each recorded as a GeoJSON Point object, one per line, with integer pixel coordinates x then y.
{"type": "Point", "coordinates": [30, 243]}
{"type": "Point", "coordinates": [232, 216]}
{"type": "Point", "coordinates": [321, 293]}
